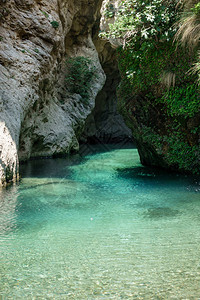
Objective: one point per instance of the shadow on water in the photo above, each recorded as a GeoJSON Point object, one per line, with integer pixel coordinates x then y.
{"type": "Point", "coordinates": [51, 187]}
{"type": "Point", "coordinates": [161, 212]}
{"type": "Point", "coordinates": [170, 191]}
{"type": "Point", "coordinates": [154, 176]}
{"type": "Point", "coordinates": [50, 167]}
{"type": "Point", "coordinates": [92, 149]}
{"type": "Point", "coordinates": [59, 167]}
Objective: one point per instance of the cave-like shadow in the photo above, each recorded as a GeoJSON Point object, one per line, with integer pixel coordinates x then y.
{"type": "Point", "coordinates": [154, 174]}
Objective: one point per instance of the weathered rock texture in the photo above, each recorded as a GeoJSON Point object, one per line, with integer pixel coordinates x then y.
{"type": "Point", "coordinates": [163, 141]}
{"type": "Point", "coordinates": [105, 124]}
{"type": "Point", "coordinates": [38, 117]}
{"type": "Point", "coordinates": [108, 16]}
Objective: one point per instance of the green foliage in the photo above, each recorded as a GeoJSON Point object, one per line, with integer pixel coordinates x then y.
{"type": "Point", "coordinates": [182, 154]}
{"type": "Point", "coordinates": [156, 81]}
{"type": "Point", "coordinates": [110, 11]}
{"type": "Point", "coordinates": [55, 24]}
{"type": "Point", "coordinates": [178, 152]}
{"type": "Point", "coordinates": [150, 63]}
{"type": "Point", "coordinates": [45, 14]}
{"type": "Point", "coordinates": [196, 69]}
{"type": "Point", "coordinates": [80, 73]}
{"type": "Point", "coordinates": [144, 68]}
{"type": "Point", "coordinates": [144, 20]}
{"type": "Point", "coordinates": [182, 101]}
{"type": "Point", "coordinates": [196, 9]}
{"type": "Point", "coordinates": [147, 28]}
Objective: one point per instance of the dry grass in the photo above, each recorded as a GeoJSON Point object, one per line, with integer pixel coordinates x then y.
{"type": "Point", "coordinates": [168, 79]}
{"type": "Point", "coordinates": [189, 25]}
{"type": "Point", "coordinates": [189, 31]}
{"type": "Point", "coordinates": [189, 3]}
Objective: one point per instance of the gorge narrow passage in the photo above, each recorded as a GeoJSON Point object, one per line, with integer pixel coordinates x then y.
{"type": "Point", "coordinates": [100, 226]}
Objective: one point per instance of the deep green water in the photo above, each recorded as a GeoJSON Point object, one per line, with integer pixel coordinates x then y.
{"type": "Point", "coordinates": [100, 227]}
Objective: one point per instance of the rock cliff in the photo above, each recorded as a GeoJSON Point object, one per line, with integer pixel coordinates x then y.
{"type": "Point", "coordinates": [39, 116]}
{"type": "Point", "coordinates": [105, 124]}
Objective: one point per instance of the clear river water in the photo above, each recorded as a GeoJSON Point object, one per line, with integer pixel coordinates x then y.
{"type": "Point", "coordinates": [100, 226]}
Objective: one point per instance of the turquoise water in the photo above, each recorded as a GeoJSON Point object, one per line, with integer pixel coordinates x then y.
{"type": "Point", "coordinates": [100, 227]}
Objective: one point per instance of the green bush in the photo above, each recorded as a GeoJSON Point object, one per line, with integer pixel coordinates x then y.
{"type": "Point", "coordinates": [196, 8]}
{"type": "Point", "coordinates": [157, 94]}
{"type": "Point", "coordinates": [150, 62]}
{"type": "Point", "coordinates": [180, 153]}
{"type": "Point", "coordinates": [80, 73]}
{"type": "Point", "coordinates": [144, 20]}
{"type": "Point", "coordinates": [55, 24]}
{"type": "Point", "coordinates": [110, 11]}
{"type": "Point", "coordinates": [182, 101]}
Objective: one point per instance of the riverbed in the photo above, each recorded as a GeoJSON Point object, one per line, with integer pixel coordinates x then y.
{"type": "Point", "coordinates": [99, 225]}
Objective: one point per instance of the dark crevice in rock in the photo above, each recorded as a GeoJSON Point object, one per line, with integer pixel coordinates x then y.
{"type": "Point", "coordinates": [105, 124]}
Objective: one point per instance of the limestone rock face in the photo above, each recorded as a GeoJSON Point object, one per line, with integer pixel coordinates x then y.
{"type": "Point", "coordinates": [38, 115]}
{"type": "Point", "coordinates": [109, 10]}
{"type": "Point", "coordinates": [105, 124]}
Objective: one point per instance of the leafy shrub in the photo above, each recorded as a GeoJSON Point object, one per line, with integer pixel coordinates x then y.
{"type": "Point", "coordinates": [80, 72]}
{"type": "Point", "coordinates": [157, 93]}
{"type": "Point", "coordinates": [147, 29]}
{"type": "Point", "coordinates": [110, 11]}
{"type": "Point", "coordinates": [182, 101]}
{"type": "Point", "coordinates": [139, 20]}
{"type": "Point", "coordinates": [196, 8]}
{"type": "Point", "coordinates": [55, 24]}
{"type": "Point", "coordinates": [180, 153]}
{"type": "Point", "coordinates": [149, 61]}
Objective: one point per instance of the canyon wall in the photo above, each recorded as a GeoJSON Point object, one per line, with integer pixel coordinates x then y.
{"type": "Point", "coordinates": [39, 116]}
{"type": "Point", "coordinates": [105, 124]}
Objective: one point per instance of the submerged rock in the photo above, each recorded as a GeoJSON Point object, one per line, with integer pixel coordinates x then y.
{"type": "Point", "coordinates": [161, 212]}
